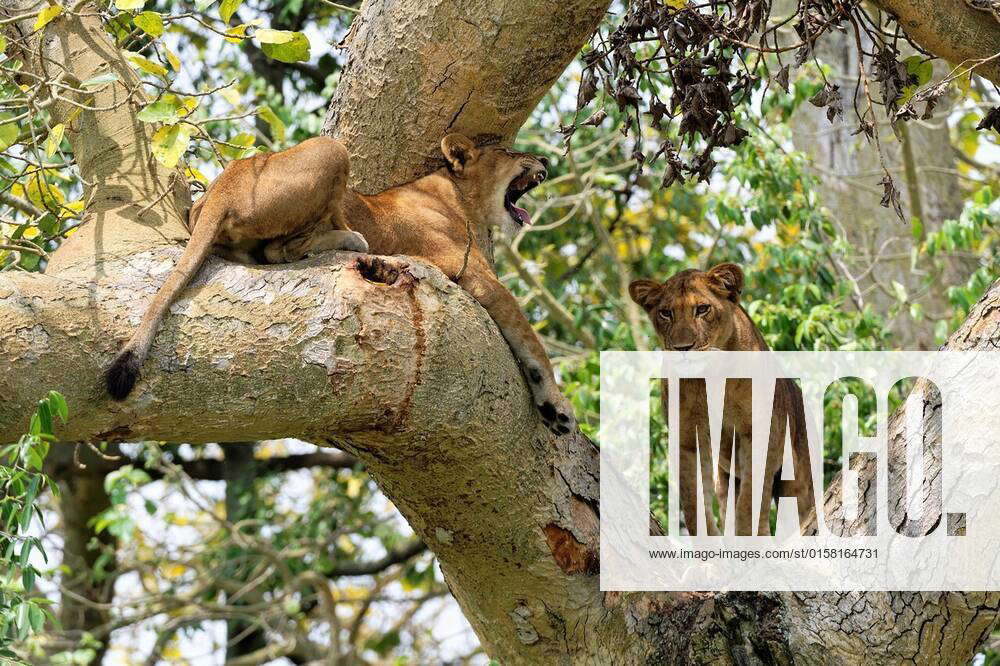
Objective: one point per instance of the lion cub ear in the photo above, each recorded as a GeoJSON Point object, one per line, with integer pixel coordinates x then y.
{"type": "Point", "coordinates": [730, 278]}
{"type": "Point", "coordinates": [644, 292]}
{"type": "Point", "coordinates": [459, 150]}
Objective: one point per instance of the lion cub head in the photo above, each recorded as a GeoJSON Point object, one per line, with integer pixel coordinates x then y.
{"type": "Point", "coordinates": [493, 178]}
{"type": "Point", "coordinates": [695, 310]}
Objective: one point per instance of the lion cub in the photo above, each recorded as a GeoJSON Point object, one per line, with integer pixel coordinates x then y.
{"type": "Point", "coordinates": [700, 310]}
{"type": "Point", "coordinates": [280, 207]}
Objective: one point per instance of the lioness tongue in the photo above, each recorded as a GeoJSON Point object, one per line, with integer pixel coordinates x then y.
{"type": "Point", "coordinates": [522, 214]}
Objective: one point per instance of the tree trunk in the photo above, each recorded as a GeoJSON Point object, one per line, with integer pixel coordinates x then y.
{"type": "Point", "coordinates": [413, 376]}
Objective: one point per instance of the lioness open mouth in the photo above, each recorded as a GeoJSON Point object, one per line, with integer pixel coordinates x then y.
{"type": "Point", "coordinates": [517, 188]}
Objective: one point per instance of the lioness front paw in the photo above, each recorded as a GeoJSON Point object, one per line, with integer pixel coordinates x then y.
{"type": "Point", "coordinates": [557, 414]}
{"type": "Point", "coordinates": [354, 242]}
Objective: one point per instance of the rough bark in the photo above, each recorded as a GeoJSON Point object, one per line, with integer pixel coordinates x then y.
{"type": "Point", "coordinates": [950, 29]}
{"type": "Point", "coordinates": [414, 378]}
{"type": "Point", "coordinates": [476, 67]}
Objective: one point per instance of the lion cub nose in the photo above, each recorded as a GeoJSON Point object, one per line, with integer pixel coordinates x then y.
{"type": "Point", "coordinates": [684, 347]}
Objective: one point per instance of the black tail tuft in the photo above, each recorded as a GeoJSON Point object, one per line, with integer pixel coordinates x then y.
{"type": "Point", "coordinates": [122, 375]}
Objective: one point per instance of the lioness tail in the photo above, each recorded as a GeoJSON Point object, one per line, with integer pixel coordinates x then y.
{"type": "Point", "coordinates": [123, 372]}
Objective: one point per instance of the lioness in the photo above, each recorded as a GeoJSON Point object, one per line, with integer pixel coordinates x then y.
{"type": "Point", "coordinates": [700, 310]}
{"type": "Point", "coordinates": [282, 206]}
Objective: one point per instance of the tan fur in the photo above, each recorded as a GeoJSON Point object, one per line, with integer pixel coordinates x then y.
{"type": "Point", "coordinates": [429, 219]}
{"type": "Point", "coordinates": [700, 310]}
{"type": "Point", "coordinates": [284, 205]}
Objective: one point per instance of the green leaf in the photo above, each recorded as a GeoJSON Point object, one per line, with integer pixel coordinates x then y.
{"type": "Point", "coordinates": [268, 115]}
{"type": "Point", "coordinates": [228, 8]}
{"type": "Point", "coordinates": [150, 23]}
{"type": "Point", "coordinates": [8, 132]}
{"type": "Point", "coordinates": [244, 140]}
{"type": "Point", "coordinates": [58, 402]}
{"type": "Point", "coordinates": [284, 45]}
{"type": "Point", "coordinates": [166, 109]}
{"type": "Point", "coordinates": [169, 144]}
{"type": "Point", "coordinates": [37, 618]}
{"type": "Point", "coordinates": [100, 80]}
{"type": "Point", "coordinates": [919, 67]}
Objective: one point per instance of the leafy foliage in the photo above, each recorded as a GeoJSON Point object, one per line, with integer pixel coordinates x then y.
{"type": "Point", "coordinates": [22, 481]}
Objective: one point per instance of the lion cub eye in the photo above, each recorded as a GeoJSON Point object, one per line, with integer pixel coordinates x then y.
{"type": "Point", "coordinates": [666, 314]}
{"type": "Point", "coordinates": [702, 309]}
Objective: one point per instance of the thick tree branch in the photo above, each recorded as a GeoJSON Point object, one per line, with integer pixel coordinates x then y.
{"type": "Point", "coordinates": [951, 30]}
{"type": "Point", "coordinates": [473, 67]}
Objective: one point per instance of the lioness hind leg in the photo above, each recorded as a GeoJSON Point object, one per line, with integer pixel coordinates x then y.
{"type": "Point", "coordinates": [284, 250]}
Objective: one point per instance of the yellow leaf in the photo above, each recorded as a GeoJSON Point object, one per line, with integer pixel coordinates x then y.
{"type": "Point", "coordinates": [129, 5]}
{"type": "Point", "coordinates": [175, 62]}
{"type": "Point", "coordinates": [268, 36]}
{"type": "Point", "coordinates": [42, 194]}
{"type": "Point", "coordinates": [237, 34]}
{"type": "Point", "coordinates": [147, 65]}
{"type": "Point", "coordinates": [231, 95]}
{"type": "Point", "coordinates": [268, 115]}
{"type": "Point", "coordinates": [150, 23]}
{"type": "Point", "coordinates": [46, 15]}
{"type": "Point", "coordinates": [354, 486]}
{"type": "Point", "coordinates": [174, 570]}
{"type": "Point", "coordinates": [194, 174]}
{"type": "Point", "coordinates": [71, 208]}
{"type": "Point", "coordinates": [345, 544]}
{"type": "Point", "coordinates": [55, 138]}
{"type": "Point", "coordinates": [169, 144]}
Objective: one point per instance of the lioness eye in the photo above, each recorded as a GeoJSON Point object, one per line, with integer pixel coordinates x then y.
{"type": "Point", "coordinates": [666, 314]}
{"type": "Point", "coordinates": [702, 309]}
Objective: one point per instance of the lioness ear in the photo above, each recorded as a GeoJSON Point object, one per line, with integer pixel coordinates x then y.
{"type": "Point", "coordinates": [459, 150]}
{"type": "Point", "coordinates": [730, 278]}
{"type": "Point", "coordinates": [644, 292]}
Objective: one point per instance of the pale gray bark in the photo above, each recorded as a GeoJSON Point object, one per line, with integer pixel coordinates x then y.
{"type": "Point", "coordinates": [478, 67]}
